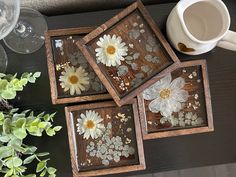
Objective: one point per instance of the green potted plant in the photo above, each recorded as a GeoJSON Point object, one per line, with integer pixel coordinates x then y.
{"type": "Point", "coordinates": [16, 125]}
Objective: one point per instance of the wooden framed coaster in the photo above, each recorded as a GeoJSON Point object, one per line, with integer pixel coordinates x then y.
{"type": "Point", "coordinates": [71, 77]}
{"type": "Point", "coordinates": [127, 52]}
{"type": "Point", "coordinates": [104, 138]}
{"type": "Point", "coordinates": [178, 103]}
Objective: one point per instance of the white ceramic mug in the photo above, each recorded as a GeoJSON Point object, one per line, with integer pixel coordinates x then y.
{"type": "Point", "coordinates": [197, 26]}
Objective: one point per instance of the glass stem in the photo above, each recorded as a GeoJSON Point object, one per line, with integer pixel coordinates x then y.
{"type": "Point", "coordinates": [23, 29]}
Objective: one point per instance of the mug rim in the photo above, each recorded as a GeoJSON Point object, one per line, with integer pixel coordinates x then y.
{"type": "Point", "coordinates": [215, 39]}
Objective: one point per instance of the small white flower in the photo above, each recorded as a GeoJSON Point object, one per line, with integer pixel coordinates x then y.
{"type": "Point", "coordinates": [58, 43]}
{"type": "Point", "coordinates": [116, 158]}
{"type": "Point", "coordinates": [90, 124]}
{"type": "Point", "coordinates": [105, 162]}
{"type": "Point", "coordinates": [111, 50]}
{"type": "Point", "coordinates": [74, 80]}
{"type": "Point", "coordinates": [167, 97]}
{"type": "Point", "coordinates": [199, 121]}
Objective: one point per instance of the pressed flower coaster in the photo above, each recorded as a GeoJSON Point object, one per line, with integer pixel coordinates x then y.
{"type": "Point", "coordinates": [127, 51]}
{"type": "Point", "coordinates": [104, 138]}
{"type": "Point", "coordinates": [71, 77]}
{"type": "Point", "coordinates": [178, 103]}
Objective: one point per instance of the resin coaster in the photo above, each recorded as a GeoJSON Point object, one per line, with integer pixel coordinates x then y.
{"type": "Point", "coordinates": [71, 77]}
{"type": "Point", "coordinates": [127, 51]}
{"type": "Point", "coordinates": [178, 103]}
{"type": "Point", "coordinates": [105, 139]}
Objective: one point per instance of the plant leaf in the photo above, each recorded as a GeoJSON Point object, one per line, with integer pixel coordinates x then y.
{"type": "Point", "coordinates": [29, 159]}
{"type": "Point", "coordinates": [52, 175]}
{"type": "Point", "coordinates": [43, 172]}
{"type": "Point", "coordinates": [8, 94]}
{"type": "Point", "coordinates": [41, 165]}
{"type": "Point", "coordinates": [57, 128]}
{"type": "Point", "coordinates": [20, 122]}
{"type": "Point", "coordinates": [6, 151]}
{"type": "Point", "coordinates": [50, 132]}
{"type": "Point", "coordinates": [2, 75]}
{"type": "Point", "coordinates": [31, 175]}
{"type": "Point", "coordinates": [51, 170]}
{"type": "Point", "coordinates": [42, 154]}
{"type": "Point", "coordinates": [37, 74]}
{"type": "Point", "coordinates": [42, 124]}
{"type": "Point", "coordinates": [9, 173]}
{"type": "Point", "coordinates": [14, 162]}
{"type": "Point", "coordinates": [20, 133]}
{"type": "Point", "coordinates": [4, 139]}
{"type": "Point", "coordinates": [7, 126]}
{"type": "Point", "coordinates": [30, 150]}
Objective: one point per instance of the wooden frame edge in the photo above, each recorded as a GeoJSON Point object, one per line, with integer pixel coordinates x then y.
{"type": "Point", "coordinates": [82, 44]}
{"type": "Point", "coordinates": [188, 131]}
{"type": "Point", "coordinates": [51, 67]}
{"type": "Point", "coordinates": [113, 170]}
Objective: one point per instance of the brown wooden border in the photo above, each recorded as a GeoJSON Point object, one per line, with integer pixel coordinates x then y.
{"type": "Point", "coordinates": [114, 170]}
{"type": "Point", "coordinates": [51, 66]}
{"type": "Point", "coordinates": [170, 133]}
{"type": "Point", "coordinates": [83, 47]}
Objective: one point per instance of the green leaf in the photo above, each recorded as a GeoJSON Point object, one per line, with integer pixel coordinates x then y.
{"type": "Point", "coordinates": [41, 165]}
{"type": "Point", "coordinates": [43, 172]}
{"type": "Point", "coordinates": [3, 84]}
{"type": "Point", "coordinates": [21, 122]}
{"type": "Point", "coordinates": [15, 141]}
{"type": "Point", "coordinates": [32, 80]}
{"type": "Point", "coordinates": [7, 126]}
{"type": "Point", "coordinates": [20, 133]}
{"type": "Point", "coordinates": [51, 170]}
{"type": "Point", "coordinates": [50, 132]}
{"type": "Point", "coordinates": [29, 159]}
{"type": "Point", "coordinates": [46, 117]}
{"type": "Point", "coordinates": [42, 154]}
{"type": "Point", "coordinates": [32, 129]}
{"type": "Point", "coordinates": [35, 122]}
{"type": "Point", "coordinates": [4, 138]}
{"type": "Point", "coordinates": [14, 110]}
{"type": "Point", "coordinates": [52, 116]}
{"type": "Point", "coordinates": [52, 175]}
{"type": "Point", "coordinates": [30, 150]}
{"type": "Point", "coordinates": [40, 115]}
{"type": "Point", "coordinates": [23, 81]}
{"type": "Point", "coordinates": [15, 176]}
{"type": "Point", "coordinates": [8, 94]}
{"type": "Point", "coordinates": [2, 75]}
{"type": "Point", "coordinates": [37, 74]}
{"type": "Point", "coordinates": [9, 173]}
{"type": "Point", "coordinates": [6, 151]}
{"type": "Point", "coordinates": [57, 128]}
{"type": "Point", "coordinates": [1, 165]}
{"type": "Point", "coordinates": [21, 169]}
{"type": "Point", "coordinates": [31, 175]}
{"type": "Point", "coordinates": [26, 75]}
{"type": "Point", "coordinates": [1, 116]}
{"type": "Point", "coordinates": [14, 162]}
{"type": "Point", "coordinates": [42, 124]}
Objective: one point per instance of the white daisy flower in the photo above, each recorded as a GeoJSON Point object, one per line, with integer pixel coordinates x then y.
{"type": "Point", "coordinates": [75, 80]}
{"type": "Point", "coordinates": [90, 124]}
{"type": "Point", "coordinates": [166, 96]}
{"type": "Point", "coordinates": [111, 50]}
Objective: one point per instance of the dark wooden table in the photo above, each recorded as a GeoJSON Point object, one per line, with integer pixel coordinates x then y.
{"type": "Point", "coordinates": [161, 154]}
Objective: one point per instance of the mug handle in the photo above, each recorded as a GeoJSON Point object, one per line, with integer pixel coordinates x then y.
{"type": "Point", "coordinates": [228, 41]}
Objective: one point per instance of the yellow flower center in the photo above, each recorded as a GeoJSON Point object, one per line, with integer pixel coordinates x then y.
{"type": "Point", "coordinates": [90, 124]}
{"type": "Point", "coordinates": [73, 79]}
{"type": "Point", "coordinates": [111, 49]}
{"type": "Point", "coordinates": [165, 93]}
